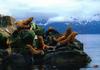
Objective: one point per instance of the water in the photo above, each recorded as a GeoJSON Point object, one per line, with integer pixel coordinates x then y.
{"type": "Point", "coordinates": [92, 48]}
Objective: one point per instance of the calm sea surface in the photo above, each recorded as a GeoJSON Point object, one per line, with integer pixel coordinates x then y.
{"type": "Point", "coordinates": [92, 48]}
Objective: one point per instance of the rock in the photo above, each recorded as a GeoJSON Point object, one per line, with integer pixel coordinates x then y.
{"type": "Point", "coordinates": [6, 20]}
{"type": "Point", "coordinates": [95, 66]}
{"type": "Point", "coordinates": [67, 56]}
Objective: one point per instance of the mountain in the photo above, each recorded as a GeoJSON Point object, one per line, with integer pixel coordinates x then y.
{"type": "Point", "coordinates": [86, 26]}
{"type": "Point", "coordinates": [59, 26]}
{"type": "Point", "coordinates": [92, 27]}
{"type": "Point", "coordinates": [82, 27]}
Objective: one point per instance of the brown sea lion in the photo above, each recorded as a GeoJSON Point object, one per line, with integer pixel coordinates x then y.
{"type": "Point", "coordinates": [70, 38]}
{"type": "Point", "coordinates": [24, 23]}
{"type": "Point", "coordinates": [67, 37]}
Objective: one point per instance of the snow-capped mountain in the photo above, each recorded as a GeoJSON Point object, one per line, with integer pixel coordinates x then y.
{"type": "Point", "coordinates": [88, 26]}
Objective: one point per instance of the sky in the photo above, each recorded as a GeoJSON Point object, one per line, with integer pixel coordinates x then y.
{"type": "Point", "coordinates": [83, 9]}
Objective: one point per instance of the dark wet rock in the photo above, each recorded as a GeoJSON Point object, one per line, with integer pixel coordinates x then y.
{"type": "Point", "coordinates": [20, 60]}
{"type": "Point", "coordinates": [96, 66]}
{"type": "Point", "coordinates": [67, 56]}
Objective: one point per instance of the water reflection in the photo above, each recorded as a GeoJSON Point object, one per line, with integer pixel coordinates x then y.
{"type": "Point", "coordinates": [34, 67]}
{"type": "Point", "coordinates": [14, 67]}
{"type": "Point", "coordinates": [42, 67]}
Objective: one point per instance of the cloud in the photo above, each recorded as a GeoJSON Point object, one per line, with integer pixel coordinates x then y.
{"type": "Point", "coordinates": [82, 9]}
{"type": "Point", "coordinates": [58, 19]}
{"type": "Point", "coordinates": [4, 11]}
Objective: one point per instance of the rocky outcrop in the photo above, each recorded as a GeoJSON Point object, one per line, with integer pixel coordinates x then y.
{"type": "Point", "coordinates": [61, 56]}
{"type": "Point", "coordinates": [67, 56]}
{"type": "Point", "coordinates": [6, 20]}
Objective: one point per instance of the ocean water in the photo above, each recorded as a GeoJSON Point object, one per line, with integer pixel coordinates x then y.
{"type": "Point", "coordinates": [92, 48]}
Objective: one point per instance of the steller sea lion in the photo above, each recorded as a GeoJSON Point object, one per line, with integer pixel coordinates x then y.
{"type": "Point", "coordinates": [24, 23]}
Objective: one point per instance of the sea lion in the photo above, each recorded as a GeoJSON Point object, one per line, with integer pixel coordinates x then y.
{"type": "Point", "coordinates": [70, 38]}
{"type": "Point", "coordinates": [24, 23]}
